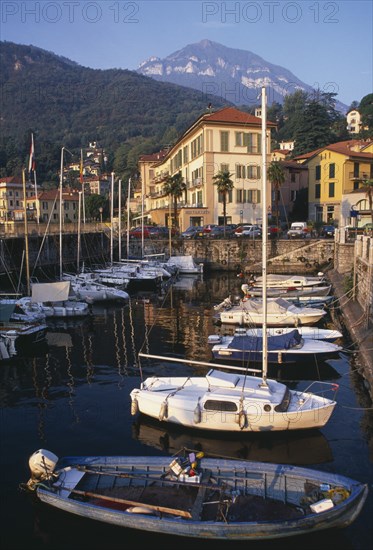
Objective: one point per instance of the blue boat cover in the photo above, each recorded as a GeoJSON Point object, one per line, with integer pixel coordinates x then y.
{"type": "Point", "coordinates": [255, 343]}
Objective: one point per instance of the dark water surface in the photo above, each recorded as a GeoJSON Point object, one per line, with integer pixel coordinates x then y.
{"type": "Point", "coordinates": [73, 399]}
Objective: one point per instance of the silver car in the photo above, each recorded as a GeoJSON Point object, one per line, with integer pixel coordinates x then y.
{"type": "Point", "coordinates": [248, 230]}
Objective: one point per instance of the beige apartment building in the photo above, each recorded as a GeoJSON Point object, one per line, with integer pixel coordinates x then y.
{"type": "Point", "coordinates": [228, 139]}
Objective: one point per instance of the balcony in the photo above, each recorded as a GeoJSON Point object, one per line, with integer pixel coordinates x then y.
{"type": "Point", "coordinates": [359, 176]}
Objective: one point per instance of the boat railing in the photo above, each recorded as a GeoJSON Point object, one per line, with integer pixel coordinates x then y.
{"type": "Point", "coordinates": [324, 388]}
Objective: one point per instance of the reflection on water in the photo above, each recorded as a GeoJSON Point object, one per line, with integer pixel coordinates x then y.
{"type": "Point", "coordinates": [72, 397]}
{"type": "Point", "coordinates": [310, 447]}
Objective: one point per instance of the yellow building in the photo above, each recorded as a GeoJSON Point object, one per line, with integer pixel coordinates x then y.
{"type": "Point", "coordinates": [335, 171]}
{"type": "Point", "coordinates": [227, 139]}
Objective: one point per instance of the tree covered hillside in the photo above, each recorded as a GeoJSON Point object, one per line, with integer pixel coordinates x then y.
{"type": "Point", "coordinates": [65, 104]}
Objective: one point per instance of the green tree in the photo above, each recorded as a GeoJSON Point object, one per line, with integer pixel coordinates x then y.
{"type": "Point", "coordinates": [366, 112]}
{"type": "Point", "coordinates": [276, 176]}
{"type": "Point", "coordinates": [175, 187]}
{"type": "Point", "coordinates": [223, 182]}
{"type": "Point", "coordinates": [93, 203]}
{"type": "Point", "coordinates": [315, 130]}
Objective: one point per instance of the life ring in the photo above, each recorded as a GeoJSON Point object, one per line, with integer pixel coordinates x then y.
{"type": "Point", "coordinates": [308, 264]}
{"type": "Point", "coordinates": [302, 259]}
{"type": "Point", "coordinates": [224, 262]}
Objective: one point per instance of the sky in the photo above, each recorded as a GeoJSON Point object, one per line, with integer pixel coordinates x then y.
{"type": "Point", "coordinates": [326, 44]}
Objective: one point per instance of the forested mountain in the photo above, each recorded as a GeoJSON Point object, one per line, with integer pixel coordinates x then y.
{"type": "Point", "coordinates": [66, 104]}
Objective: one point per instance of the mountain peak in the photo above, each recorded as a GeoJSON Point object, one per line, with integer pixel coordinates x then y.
{"type": "Point", "coordinates": [233, 74]}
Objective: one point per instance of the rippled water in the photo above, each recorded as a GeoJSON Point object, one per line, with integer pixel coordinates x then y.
{"type": "Point", "coordinates": [73, 399]}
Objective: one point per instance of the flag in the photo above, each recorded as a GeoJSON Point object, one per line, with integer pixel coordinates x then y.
{"type": "Point", "coordinates": [81, 166]}
{"type": "Point", "coordinates": [31, 162]}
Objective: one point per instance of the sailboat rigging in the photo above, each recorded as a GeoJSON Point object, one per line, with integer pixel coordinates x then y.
{"type": "Point", "coordinates": [227, 401]}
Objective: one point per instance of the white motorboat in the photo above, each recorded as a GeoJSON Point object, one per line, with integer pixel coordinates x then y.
{"type": "Point", "coordinates": [54, 300]}
{"type": "Point", "coordinates": [279, 312]}
{"type": "Point", "coordinates": [289, 281]}
{"type": "Point", "coordinates": [282, 349]}
{"type": "Point", "coordinates": [186, 265]}
{"type": "Point", "coordinates": [86, 287]}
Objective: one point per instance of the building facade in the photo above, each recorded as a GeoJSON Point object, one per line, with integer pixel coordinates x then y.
{"type": "Point", "coordinates": [227, 139]}
{"type": "Point", "coordinates": [335, 171]}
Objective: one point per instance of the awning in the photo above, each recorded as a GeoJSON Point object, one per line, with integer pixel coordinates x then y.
{"type": "Point", "coordinates": [50, 292]}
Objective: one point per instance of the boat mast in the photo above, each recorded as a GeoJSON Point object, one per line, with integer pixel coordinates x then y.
{"type": "Point", "coordinates": [61, 181]}
{"type": "Point", "coordinates": [128, 217]}
{"type": "Point", "coordinates": [264, 234]}
{"type": "Point", "coordinates": [79, 240]}
{"type": "Point", "coordinates": [119, 220]}
{"type": "Point", "coordinates": [111, 218]}
{"type": "Point", "coordinates": [26, 233]}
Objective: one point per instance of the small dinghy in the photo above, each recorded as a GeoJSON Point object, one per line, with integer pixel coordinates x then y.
{"type": "Point", "coordinates": [197, 497]}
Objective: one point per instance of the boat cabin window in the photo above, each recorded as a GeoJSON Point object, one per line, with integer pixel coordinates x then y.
{"type": "Point", "coordinates": [222, 406]}
{"type": "Point", "coordinates": [284, 405]}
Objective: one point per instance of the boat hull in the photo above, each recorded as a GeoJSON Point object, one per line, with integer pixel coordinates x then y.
{"type": "Point", "coordinates": [254, 480]}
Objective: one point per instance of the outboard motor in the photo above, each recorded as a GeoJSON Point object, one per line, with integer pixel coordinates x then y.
{"type": "Point", "coordinates": [42, 464]}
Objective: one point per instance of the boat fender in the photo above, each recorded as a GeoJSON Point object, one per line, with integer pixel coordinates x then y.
{"type": "Point", "coordinates": [197, 414]}
{"type": "Point", "coordinates": [134, 406]}
{"type": "Point", "coordinates": [279, 357]}
{"type": "Point", "coordinates": [242, 419]}
{"type": "Point", "coordinates": [163, 413]}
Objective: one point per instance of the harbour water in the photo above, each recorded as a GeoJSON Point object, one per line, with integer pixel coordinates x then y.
{"type": "Point", "coordinates": [72, 398]}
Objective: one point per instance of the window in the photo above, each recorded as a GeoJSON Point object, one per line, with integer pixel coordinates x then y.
{"type": "Point", "coordinates": [224, 167]}
{"type": "Point", "coordinates": [221, 406]}
{"type": "Point", "coordinates": [318, 172]}
{"type": "Point", "coordinates": [356, 169]}
{"type": "Point", "coordinates": [185, 155]}
{"type": "Point", "coordinates": [240, 171]}
{"type": "Point", "coordinates": [330, 213]}
{"type": "Point", "coordinates": [317, 191]}
{"type": "Point", "coordinates": [197, 146]}
{"type": "Point", "coordinates": [224, 142]}
{"type": "Point", "coordinates": [292, 178]}
{"type": "Point", "coordinates": [331, 189]}
{"type": "Point", "coordinates": [254, 142]}
{"type": "Point", "coordinates": [332, 170]}
{"type": "Point", "coordinates": [318, 211]}
{"type": "Point", "coordinates": [253, 172]}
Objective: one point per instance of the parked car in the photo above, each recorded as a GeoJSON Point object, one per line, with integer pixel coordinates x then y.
{"type": "Point", "coordinates": [152, 232]}
{"type": "Point", "coordinates": [207, 228]}
{"type": "Point", "coordinates": [327, 231]}
{"type": "Point", "coordinates": [298, 230]}
{"type": "Point", "coordinates": [192, 232]}
{"type": "Point", "coordinates": [249, 230]}
{"type": "Point", "coordinates": [220, 231]}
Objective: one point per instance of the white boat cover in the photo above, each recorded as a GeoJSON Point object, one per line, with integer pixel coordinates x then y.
{"type": "Point", "coordinates": [50, 292]}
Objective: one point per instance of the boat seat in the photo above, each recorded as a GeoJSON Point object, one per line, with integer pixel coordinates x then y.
{"type": "Point", "coordinates": [222, 379]}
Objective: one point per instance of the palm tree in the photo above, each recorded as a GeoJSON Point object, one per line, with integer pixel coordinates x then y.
{"type": "Point", "coordinates": [276, 176]}
{"type": "Point", "coordinates": [175, 187]}
{"type": "Point", "coordinates": [224, 184]}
